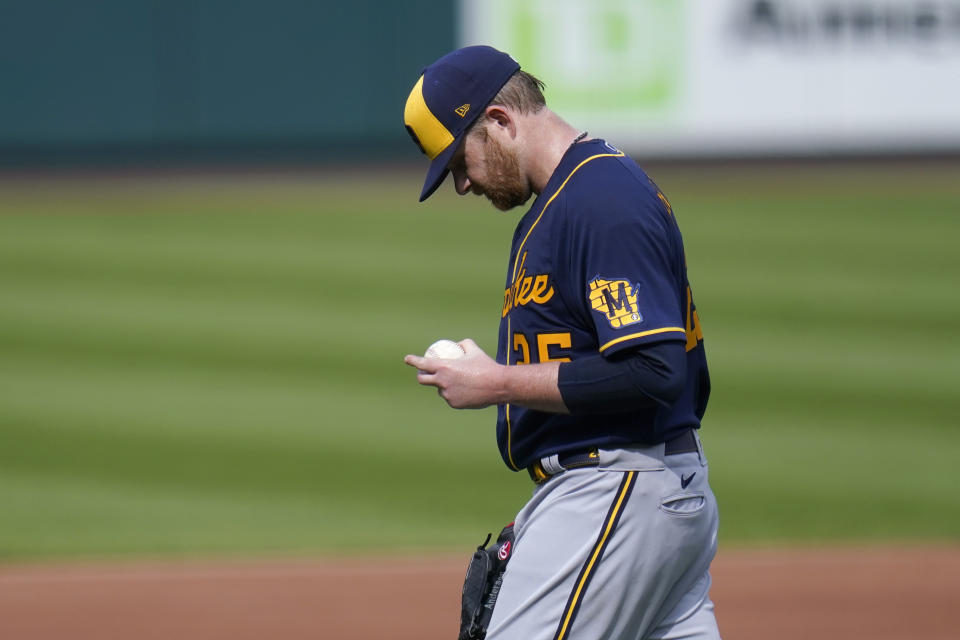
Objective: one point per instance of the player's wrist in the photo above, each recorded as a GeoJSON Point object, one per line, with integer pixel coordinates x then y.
{"type": "Point", "coordinates": [503, 383]}
{"type": "Point", "coordinates": [531, 385]}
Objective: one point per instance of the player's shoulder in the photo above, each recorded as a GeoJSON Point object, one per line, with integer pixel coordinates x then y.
{"type": "Point", "coordinates": [602, 178]}
{"type": "Point", "coordinates": [597, 169]}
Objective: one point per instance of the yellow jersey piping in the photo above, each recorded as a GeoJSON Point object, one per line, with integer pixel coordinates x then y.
{"type": "Point", "coordinates": [513, 277]}
{"type": "Point", "coordinates": [506, 409]}
{"type": "Point", "coordinates": [641, 335]}
{"type": "Point", "coordinates": [555, 194]}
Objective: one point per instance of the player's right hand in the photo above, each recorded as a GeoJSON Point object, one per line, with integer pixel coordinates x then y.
{"type": "Point", "coordinates": [470, 382]}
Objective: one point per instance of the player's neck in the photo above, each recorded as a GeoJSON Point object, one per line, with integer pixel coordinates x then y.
{"type": "Point", "coordinates": [548, 137]}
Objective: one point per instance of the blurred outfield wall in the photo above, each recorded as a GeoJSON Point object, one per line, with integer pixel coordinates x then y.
{"type": "Point", "coordinates": [290, 80]}
{"type": "Point", "coordinates": [182, 80]}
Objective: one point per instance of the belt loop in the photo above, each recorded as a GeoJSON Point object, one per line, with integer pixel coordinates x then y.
{"type": "Point", "coordinates": [551, 464]}
{"type": "Point", "coordinates": [703, 457]}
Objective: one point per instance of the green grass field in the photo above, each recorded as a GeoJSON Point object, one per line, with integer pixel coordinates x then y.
{"type": "Point", "coordinates": [214, 365]}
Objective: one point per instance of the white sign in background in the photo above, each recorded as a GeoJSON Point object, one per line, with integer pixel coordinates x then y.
{"type": "Point", "coordinates": [700, 77]}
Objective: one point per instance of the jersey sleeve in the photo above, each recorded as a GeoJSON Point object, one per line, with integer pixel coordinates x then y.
{"type": "Point", "coordinates": [624, 256]}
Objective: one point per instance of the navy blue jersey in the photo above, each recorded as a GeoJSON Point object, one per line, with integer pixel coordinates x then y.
{"type": "Point", "coordinates": [597, 265]}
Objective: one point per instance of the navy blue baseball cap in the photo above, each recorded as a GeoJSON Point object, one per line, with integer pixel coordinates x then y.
{"type": "Point", "coordinates": [449, 96]}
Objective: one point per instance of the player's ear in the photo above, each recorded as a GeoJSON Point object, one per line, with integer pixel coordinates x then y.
{"type": "Point", "coordinates": [500, 116]}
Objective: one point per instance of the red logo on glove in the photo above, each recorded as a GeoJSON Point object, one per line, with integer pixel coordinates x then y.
{"type": "Point", "coordinates": [504, 552]}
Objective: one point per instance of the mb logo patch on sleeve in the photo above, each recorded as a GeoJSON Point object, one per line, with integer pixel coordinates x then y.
{"type": "Point", "coordinates": [615, 299]}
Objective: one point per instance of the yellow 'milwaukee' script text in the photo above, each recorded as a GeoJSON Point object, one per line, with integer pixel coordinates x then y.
{"type": "Point", "coordinates": [526, 289]}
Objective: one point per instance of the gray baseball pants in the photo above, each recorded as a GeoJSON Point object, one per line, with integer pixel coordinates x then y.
{"type": "Point", "coordinates": [618, 551]}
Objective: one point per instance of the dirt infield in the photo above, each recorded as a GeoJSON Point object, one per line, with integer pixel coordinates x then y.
{"type": "Point", "coordinates": [876, 593]}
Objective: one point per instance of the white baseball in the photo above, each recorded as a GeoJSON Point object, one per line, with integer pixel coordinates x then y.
{"type": "Point", "coordinates": [445, 350]}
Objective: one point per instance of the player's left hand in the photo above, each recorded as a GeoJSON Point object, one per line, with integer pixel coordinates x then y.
{"type": "Point", "coordinates": [470, 382]}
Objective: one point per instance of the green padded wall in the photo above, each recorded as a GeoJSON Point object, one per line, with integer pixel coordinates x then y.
{"type": "Point", "coordinates": [245, 80]}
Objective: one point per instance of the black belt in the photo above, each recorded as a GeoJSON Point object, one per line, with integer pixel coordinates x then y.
{"type": "Point", "coordinates": [686, 442]}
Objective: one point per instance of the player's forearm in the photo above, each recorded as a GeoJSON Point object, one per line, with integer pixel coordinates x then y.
{"type": "Point", "coordinates": [533, 386]}
{"type": "Point", "coordinates": [654, 374]}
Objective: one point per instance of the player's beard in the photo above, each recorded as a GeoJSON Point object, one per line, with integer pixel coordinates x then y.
{"type": "Point", "coordinates": [505, 186]}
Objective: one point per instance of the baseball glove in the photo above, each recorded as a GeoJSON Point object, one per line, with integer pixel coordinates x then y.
{"type": "Point", "coordinates": [482, 585]}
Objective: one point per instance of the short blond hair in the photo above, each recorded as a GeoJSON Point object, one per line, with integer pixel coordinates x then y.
{"type": "Point", "coordinates": [523, 92]}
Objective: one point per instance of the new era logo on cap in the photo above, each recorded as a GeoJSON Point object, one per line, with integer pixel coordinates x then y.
{"type": "Point", "coordinates": [448, 98]}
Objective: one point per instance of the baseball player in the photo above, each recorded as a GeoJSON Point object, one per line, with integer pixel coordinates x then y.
{"type": "Point", "coordinates": [600, 377]}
